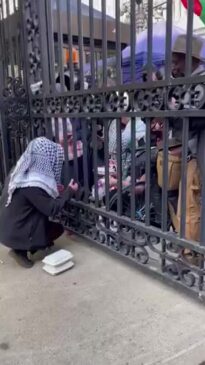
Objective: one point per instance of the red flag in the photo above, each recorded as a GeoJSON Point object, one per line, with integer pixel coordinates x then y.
{"type": "Point", "coordinates": [199, 8]}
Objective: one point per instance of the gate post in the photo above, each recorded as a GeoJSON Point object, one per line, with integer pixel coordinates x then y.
{"type": "Point", "coordinates": [37, 61]}
{"type": "Point", "coordinates": [4, 169]}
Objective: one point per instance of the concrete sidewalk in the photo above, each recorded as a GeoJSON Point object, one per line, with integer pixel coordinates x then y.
{"type": "Point", "coordinates": [102, 312]}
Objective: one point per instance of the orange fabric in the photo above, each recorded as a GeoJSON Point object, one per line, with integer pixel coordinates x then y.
{"type": "Point", "coordinates": [75, 56]}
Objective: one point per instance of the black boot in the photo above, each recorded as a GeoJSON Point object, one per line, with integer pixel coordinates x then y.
{"type": "Point", "coordinates": [21, 258]}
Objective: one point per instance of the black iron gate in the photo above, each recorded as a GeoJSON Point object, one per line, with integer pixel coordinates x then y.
{"type": "Point", "coordinates": [53, 84]}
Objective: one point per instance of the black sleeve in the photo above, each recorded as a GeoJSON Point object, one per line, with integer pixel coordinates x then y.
{"type": "Point", "coordinates": [44, 203]}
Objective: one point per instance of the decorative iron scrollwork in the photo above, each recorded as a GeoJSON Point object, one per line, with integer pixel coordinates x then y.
{"type": "Point", "coordinates": [15, 103]}
{"type": "Point", "coordinates": [172, 98]}
{"type": "Point", "coordinates": [14, 88]}
{"type": "Point", "coordinates": [37, 106]}
{"type": "Point", "coordinates": [92, 103]}
{"type": "Point", "coordinates": [54, 105]}
{"type": "Point", "coordinates": [115, 101]}
{"type": "Point", "coordinates": [71, 104]}
{"type": "Point", "coordinates": [180, 265]}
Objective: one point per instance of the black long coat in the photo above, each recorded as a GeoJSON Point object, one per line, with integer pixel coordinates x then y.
{"type": "Point", "coordinates": [24, 223]}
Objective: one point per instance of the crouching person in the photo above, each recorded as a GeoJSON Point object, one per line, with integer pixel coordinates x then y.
{"type": "Point", "coordinates": [30, 197]}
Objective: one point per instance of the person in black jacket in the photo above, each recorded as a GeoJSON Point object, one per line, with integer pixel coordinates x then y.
{"type": "Point", "coordinates": [30, 197]}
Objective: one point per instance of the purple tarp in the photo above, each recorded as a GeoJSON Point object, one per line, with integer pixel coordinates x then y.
{"type": "Point", "coordinates": [158, 50]}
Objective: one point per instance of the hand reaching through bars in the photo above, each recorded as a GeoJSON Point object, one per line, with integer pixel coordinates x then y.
{"type": "Point", "coordinates": [73, 185]}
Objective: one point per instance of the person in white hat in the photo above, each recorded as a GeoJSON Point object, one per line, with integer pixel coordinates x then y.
{"type": "Point", "coordinates": [179, 56]}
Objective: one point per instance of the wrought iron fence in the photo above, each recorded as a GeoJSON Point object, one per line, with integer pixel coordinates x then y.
{"type": "Point", "coordinates": [128, 205]}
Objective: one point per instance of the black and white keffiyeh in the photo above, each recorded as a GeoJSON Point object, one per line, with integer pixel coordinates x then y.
{"type": "Point", "coordinates": [39, 166]}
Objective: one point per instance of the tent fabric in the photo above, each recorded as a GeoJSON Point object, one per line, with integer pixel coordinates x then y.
{"type": "Point", "coordinates": [158, 50]}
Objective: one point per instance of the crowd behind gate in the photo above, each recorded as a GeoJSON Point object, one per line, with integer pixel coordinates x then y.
{"type": "Point", "coordinates": [39, 168]}
{"type": "Point", "coordinates": [195, 154]}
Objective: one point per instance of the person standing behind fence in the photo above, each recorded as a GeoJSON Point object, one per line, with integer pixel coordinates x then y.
{"type": "Point", "coordinates": [196, 124]}
{"type": "Point", "coordinates": [30, 197]}
{"type": "Point", "coordinates": [77, 124]}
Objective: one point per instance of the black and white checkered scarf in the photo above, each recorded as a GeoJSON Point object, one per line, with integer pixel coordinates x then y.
{"type": "Point", "coordinates": [39, 166]}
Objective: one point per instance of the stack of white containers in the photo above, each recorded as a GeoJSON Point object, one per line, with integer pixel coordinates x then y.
{"type": "Point", "coordinates": [58, 262]}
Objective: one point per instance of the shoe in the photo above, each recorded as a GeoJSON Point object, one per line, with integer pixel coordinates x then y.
{"type": "Point", "coordinates": [21, 258]}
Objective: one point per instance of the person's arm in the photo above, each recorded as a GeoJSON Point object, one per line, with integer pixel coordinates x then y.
{"type": "Point", "coordinates": [44, 203]}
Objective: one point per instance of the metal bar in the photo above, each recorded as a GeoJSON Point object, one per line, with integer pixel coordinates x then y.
{"type": "Point", "coordinates": [43, 46]}
{"type": "Point", "coordinates": [92, 44]}
{"type": "Point", "coordinates": [85, 159]}
{"type": "Point", "coordinates": [106, 151]}
{"type": "Point", "coordinates": [189, 38]}
{"type": "Point", "coordinates": [168, 40]}
{"type": "Point", "coordinates": [65, 146]}
{"type": "Point", "coordinates": [133, 39]}
{"type": "Point", "coordinates": [119, 167]}
{"type": "Point", "coordinates": [163, 259]}
{"type": "Point", "coordinates": [104, 42]}
{"type": "Point", "coordinates": [56, 130]}
{"type": "Point", "coordinates": [95, 164]}
{"type": "Point", "coordinates": [133, 178]}
{"type": "Point", "coordinates": [18, 56]}
{"type": "Point", "coordinates": [201, 276]}
{"type": "Point", "coordinates": [4, 141]}
{"type": "Point", "coordinates": [147, 172]}
{"type": "Point", "coordinates": [48, 126]}
{"type": "Point", "coordinates": [3, 74]}
{"type": "Point", "coordinates": [185, 135]}
{"type": "Point", "coordinates": [51, 51]}
{"type": "Point", "coordinates": [60, 45]}
{"type": "Point", "coordinates": [149, 38]}
{"type": "Point", "coordinates": [142, 114]}
{"type": "Point", "coordinates": [202, 230]}
{"type": "Point", "coordinates": [70, 44]}
{"type": "Point", "coordinates": [80, 42]}
{"type": "Point", "coordinates": [27, 79]}
{"type": "Point", "coordinates": [10, 41]}
{"type": "Point", "coordinates": [165, 176]}
{"type": "Point", "coordinates": [118, 42]}
{"type": "Point", "coordinates": [76, 171]}
{"type": "Point", "coordinates": [191, 80]}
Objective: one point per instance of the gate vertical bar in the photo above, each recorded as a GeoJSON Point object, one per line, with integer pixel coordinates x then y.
{"type": "Point", "coordinates": [60, 45]}
{"type": "Point", "coordinates": [147, 172]}
{"type": "Point", "coordinates": [185, 134]}
{"type": "Point", "coordinates": [119, 167]}
{"type": "Point", "coordinates": [133, 39]}
{"type": "Point", "coordinates": [118, 44]}
{"type": "Point", "coordinates": [149, 38]}
{"type": "Point", "coordinates": [104, 42]}
{"type": "Point", "coordinates": [92, 44]}
{"type": "Point", "coordinates": [80, 42]}
{"type": "Point", "coordinates": [3, 128]}
{"type": "Point", "coordinates": [106, 139]}
{"type": "Point", "coordinates": [70, 44]}
{"type": "Point", "coordinates": [51, 51]}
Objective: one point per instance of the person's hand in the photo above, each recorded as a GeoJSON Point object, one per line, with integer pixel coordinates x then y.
{"type": "Point", "coordinates": [60, 188]}
{"type": "Point", "coordinates": [112, 181]}
{"type": "Point", "coordinates": [73, 185]}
